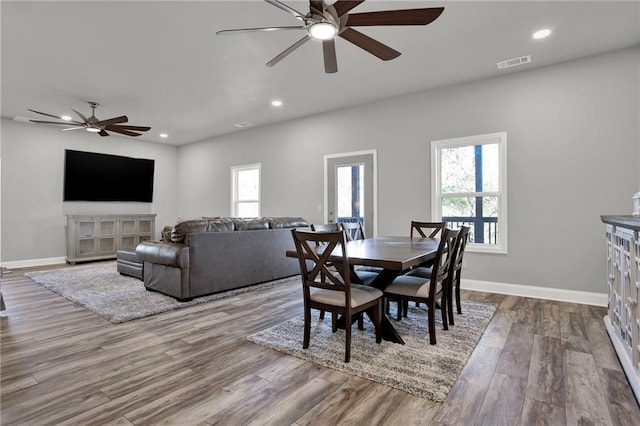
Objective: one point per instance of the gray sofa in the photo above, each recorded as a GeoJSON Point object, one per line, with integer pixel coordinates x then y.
{"type": "Point", "coordinates": [209, 255]}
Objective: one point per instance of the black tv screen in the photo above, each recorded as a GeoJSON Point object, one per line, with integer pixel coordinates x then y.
{"type": "Point", "coordinates": [90, 176]}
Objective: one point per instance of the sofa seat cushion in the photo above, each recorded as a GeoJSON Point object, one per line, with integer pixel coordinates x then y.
{"type": "Point", "coordinates": [127, 256]}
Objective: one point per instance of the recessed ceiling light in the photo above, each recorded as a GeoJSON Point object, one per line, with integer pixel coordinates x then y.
{"type": "Point", "coordinates": [66, 117]}
{"type": "Point", "coordinates": [243, 124]}
{"type": "Point", "coordinates": [276, 103]}
{"type": "Point", "coordinates": [164, 135]}
{"type": "Point", "coordinates": [541, 33]}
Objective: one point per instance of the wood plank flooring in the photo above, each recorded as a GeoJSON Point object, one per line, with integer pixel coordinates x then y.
{"type": "Point", "coordinates": [538, 363]}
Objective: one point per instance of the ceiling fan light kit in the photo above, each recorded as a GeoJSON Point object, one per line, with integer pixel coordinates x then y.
{"type": "Point", "coordinates": [325, 22]}
{"type": "Point", "coordinates": [323, 30]}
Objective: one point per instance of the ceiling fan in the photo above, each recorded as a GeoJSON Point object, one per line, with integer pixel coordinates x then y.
{"type": "Point", "coordinates": [92, 124]}
{"type": "Point", "coordinates": [324, 22]}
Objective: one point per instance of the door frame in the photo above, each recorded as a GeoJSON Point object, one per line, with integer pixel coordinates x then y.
{"type": "Point", "coordinates": [372, 152]}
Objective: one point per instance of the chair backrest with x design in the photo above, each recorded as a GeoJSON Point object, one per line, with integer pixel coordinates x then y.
{"type": "Point", "coordinates": [427, 229]}
{"type": "Point", "coordinates": [314, 250]}
{"type": "Point", "coordinates": [325, 227]}
{"type": "Point", "coordinates": [354, 231]}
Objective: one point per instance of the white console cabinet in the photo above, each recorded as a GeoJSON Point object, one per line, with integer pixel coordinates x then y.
{"type": "Point", "coordinates": [622, 236]}
{"type": "Point", "coordinates": [96, 237]}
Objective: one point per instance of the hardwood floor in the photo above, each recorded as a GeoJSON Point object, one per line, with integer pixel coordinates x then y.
{"type": "Point", "coordinates": [538, 363]}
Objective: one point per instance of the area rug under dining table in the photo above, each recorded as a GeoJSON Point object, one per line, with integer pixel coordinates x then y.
{"type": "Point", "coordinates": [419, 368]}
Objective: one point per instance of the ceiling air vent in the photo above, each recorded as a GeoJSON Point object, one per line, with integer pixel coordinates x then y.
{"type": "Point", "coordinates": [514, 62]}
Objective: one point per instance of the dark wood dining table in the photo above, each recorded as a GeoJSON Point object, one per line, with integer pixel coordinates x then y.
{"type": "Point", "coordinates": [394, 255]}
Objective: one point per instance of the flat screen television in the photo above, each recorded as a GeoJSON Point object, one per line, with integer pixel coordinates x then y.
{"type": "Point", "coordinates": [90, 176]}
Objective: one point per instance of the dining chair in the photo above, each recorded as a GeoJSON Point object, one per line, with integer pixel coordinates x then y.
{"type": "Point", "coordinates": [336, 294]}
{"type": "Point", "coordinates": [453, 286]}
{"type": "Point", "coordinates": [325, 227]}
{"type": "Point", "coordinates": [364, 275]}
{"type": "Point", "coordinates": [406, 288]}
{"type": "Point", "coordinates": [426, 229]}
{"type": "Point", "coordinates": [353, 230]}
{"type": "Point", "coordinates": [456, 272]}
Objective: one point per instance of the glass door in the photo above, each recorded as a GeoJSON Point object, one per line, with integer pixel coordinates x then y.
{"type": "Point", "coordinates": [350, 189]}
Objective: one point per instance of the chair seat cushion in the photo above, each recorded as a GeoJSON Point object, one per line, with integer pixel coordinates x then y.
{"type": "Point", "coordinates": [420, 272]}
{"type": "Point", "coordinates": [406, 285]}
{"type": "Point", "coordinates": [375, 269]}
{"type": "Point", "coordinates": [360, 295]}
{"type": "Point", "coordinates": [366, 277]}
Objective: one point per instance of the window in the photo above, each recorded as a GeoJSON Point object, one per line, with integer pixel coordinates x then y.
{"type": "Point", "coordinates": [245, 191]}
{"type": "Point", "coordinates": [469, 178]}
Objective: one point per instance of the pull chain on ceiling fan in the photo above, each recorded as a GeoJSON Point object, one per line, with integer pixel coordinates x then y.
{"type": "Point", "coordinates": [92, 124]}
{"type": "Point", "coordinates": [325, 22]}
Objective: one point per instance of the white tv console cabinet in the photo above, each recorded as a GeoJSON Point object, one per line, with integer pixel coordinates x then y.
{"type": "Point", "coordinates": [99, 236]}
{"type": "Point", "coordinates": [622, 321]}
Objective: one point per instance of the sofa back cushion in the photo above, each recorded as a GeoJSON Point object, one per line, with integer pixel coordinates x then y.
{"type": "Point", "coordinates": [180, 232]}
{"type": "Point", "coordinates": [251, 224]}
{"type": "Point", "coordinates": [165, 235]}
{"type": "Point", "coordinates": [181, 229]}
{"type": "Point", "coordinates": [220, 224]}
{"type": "Point", "coordinates": [287, 222]}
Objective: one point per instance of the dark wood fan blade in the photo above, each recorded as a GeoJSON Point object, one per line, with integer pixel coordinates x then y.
{"type": "Point", "coordinates": [395, 17]}
{"type": "Point", "coordinates": [317, 5]}
{"type": "Point", "coordinates": [114, 120]}
{"type": "Point", "coordinates": [80, 115]}
{"type": "Point", "coordinates": [372, 46]}
{"type": "Point", "coordinates": [103, 133]}
{"type": "Point", "coordinates": [288, 50]}
{"type": "Point", "coordinates": [124, 132]}
{"type": "Point", "coordinates": [343, 6]}
{"type": "Point", "coordinates": [329, 52]}
{"type": "Point", "coordinates": [66, 123]}
{"type": "Point", "coordinates": [127, 127]}
{"type": "Point", "coordinates": [260, 29]}
{"type": "Point", "coordinates": [286, 8]}
{"type": "Point", "coordinates": [44, 113]}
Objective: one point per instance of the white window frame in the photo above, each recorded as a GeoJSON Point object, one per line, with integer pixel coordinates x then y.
{"type": "Point", "coordinates": [436, 194]}
{"type": "Point", "coordinates": [234, 187]}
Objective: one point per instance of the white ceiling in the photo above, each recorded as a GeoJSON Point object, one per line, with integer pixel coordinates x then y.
{"type": "Point", "coordinates": [162, 65]}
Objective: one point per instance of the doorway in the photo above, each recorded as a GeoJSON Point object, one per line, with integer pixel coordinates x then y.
{"type": "Point", "coordinates": [351, 189]}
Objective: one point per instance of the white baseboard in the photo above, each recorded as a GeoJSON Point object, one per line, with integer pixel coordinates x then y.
{"type": "Point", "coordinates": [33, 262]}
{"type": "Point", "coordinates": [562, 295]}
{"type": "Point", "coordinates": [572, 296]}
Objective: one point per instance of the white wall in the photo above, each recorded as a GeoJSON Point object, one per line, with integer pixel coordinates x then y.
{"type": "Point", "coordinates": [573, 150]}
{"type": "Point", "coordinates": [572, 155]}
{"type": "Point", "coordinates": [33, 213]}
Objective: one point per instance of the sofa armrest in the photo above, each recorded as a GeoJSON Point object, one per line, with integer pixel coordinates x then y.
{"type": "Point", "coordinates": [164, 253]}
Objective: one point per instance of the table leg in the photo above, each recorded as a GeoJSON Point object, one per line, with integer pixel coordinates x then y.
{"type": "Point", "coordinates": [389, 333]}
